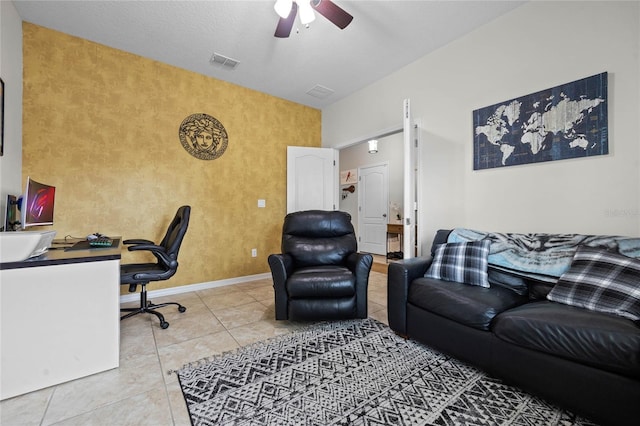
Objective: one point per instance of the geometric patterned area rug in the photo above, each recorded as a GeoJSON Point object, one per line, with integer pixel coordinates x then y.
{"type": "Point", "coordinates": [355, 372]}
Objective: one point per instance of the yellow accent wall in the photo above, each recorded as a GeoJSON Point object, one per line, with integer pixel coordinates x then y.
{"type": "Point", "coordinates": [102, 126]}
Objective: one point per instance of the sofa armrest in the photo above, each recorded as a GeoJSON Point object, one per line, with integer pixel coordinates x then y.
{"type": "Point", "coordinates": [400, 275]}
{"type": "Point", "coordinates": [360, 264]}
{"type": "Point", "coordinates": [281, 266]}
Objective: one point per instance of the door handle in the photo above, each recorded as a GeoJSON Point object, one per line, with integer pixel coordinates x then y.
{"type": "Point", "coordinates": [384, 215]}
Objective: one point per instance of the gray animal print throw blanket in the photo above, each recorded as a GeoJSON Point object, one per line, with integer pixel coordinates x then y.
{"type": "Point", "coordinates": [542, 256]}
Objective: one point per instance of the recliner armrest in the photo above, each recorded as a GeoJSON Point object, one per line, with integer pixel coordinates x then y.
{"type": "Point", "coordinates": [281, 267]}
{"type": "Point", "coordinates": [400, 275]}
{"type": "Point", "coordinates": [360, 264]}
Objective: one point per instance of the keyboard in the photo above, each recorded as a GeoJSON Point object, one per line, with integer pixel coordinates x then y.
{"type": "Point", "coordinates": [101, 242]}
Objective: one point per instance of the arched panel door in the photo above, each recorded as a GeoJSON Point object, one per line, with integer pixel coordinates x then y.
{"type": "Point", "coordinates": [312, 182]}
{"type": "Point", "coordinates": [373, 208]}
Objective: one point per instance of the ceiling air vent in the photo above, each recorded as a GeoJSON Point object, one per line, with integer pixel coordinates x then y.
{"type": "Point", "coordinates": [224, 61]}
{"type": "Point", "coordinates": [320, 91]}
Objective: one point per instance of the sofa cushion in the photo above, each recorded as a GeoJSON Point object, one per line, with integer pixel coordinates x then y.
{"type": "Point", "coordinates": [538, 290]}
{"type": "Point", "coordinates": [601, 281]}
{"type": "Point", "coordinates": [321, 281]}
{"type": "Point", "coordinates": [472, 306]}
{"type": "Point", "coordinates": [592, 338]}
{"type": "Point", "coordinates": [461, 263]}
{"type": "Point", "coordinates": [316, 309]}
{"type": "Point", "coordinates": [521, 284]}
{"type": "Point", "coordinates": [508, 280]}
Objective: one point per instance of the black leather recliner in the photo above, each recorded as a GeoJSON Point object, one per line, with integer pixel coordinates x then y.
{"type": "Point", "coordinates": [320, 275]}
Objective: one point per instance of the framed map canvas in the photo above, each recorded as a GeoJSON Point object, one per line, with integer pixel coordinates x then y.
{"type": "Point", "coordinates": [566, 121]}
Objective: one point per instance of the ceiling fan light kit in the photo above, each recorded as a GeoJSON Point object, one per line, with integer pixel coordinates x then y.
{"type": "Point", "coordinates": [306, 13]}
{"type": "Point", "coordinates": [287, 10]}
{"type": "Point", "coordinates": [283, 7]}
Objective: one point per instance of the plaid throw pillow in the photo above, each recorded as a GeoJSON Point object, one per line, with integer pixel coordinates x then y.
{"type": "Point", "coordinates": [461, 262]}
{"type": "Point", "coordinates": [601, 281]}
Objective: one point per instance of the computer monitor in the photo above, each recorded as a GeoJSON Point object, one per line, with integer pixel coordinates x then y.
{"type": "Point", "coordinates": [37, 204]}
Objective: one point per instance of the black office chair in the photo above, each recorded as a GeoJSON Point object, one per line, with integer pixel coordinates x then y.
{"type": "Point", "coordinates": [142, 273]}
{"type": "Point", "coordinates": [320, 275]}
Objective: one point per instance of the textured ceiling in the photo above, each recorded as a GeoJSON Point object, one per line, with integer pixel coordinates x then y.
{"type": "Point", "coordinates": [383, 37]}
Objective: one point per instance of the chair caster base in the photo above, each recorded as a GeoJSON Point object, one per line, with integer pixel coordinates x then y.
{"type": "Point", "coordinates": [149, 308]}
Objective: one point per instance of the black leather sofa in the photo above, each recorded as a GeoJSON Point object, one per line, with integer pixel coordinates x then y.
{"type": "Point", "coordinates": [584, 361]}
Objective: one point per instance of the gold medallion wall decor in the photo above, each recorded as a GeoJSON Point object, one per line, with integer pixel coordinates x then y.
{"type": "Point", "coordinates": [203, 136]}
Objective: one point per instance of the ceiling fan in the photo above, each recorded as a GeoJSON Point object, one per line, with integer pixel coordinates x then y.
{"type": "Point", "coordinates": [287, 10]}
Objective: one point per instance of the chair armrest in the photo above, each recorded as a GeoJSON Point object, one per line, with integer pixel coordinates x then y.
{"type": "Point", "coordinates": [360, 264]}
{"type": "Point", "coordinates": [169, 262]}
{"type": "Point", "coordinates": [137, 241]}
{"type": "Point", "coordinates": [158, 251]}
{"type": "Point", "coordinates": [144, 276]}
{"type": "Point", "coordinates": [281, 267]}
{"type": "Point", "coordinates": [400, 275]}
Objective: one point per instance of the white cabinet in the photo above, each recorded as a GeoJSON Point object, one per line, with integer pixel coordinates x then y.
{"type": "Point", "coordinates": [59, 319]}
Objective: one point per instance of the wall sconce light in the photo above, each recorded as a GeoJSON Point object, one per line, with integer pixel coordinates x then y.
{"type": "Point", "coordinates": [373, 146]}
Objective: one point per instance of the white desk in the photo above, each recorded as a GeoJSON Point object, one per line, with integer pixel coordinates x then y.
{"type": "Point", "coordinates": [59, 318]}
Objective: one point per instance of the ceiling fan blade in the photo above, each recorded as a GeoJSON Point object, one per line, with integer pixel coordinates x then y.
{"type": "Point", "coordinates": [333, 13]}
{"type": "Point", "coordinates": [285, 24]}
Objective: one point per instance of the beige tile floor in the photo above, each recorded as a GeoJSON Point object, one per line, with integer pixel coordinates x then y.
{"type": "Point", "coordinates": [140, 391]}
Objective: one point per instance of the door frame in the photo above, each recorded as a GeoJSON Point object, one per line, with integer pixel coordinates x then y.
{"type": "Point", "coordinates": [410, 174]}
{"type": "Point", "coordinates": [412, 159]}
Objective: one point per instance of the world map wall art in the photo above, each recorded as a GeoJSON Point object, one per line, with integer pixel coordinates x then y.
{"type": "Point", "coordinates": [566, 121]}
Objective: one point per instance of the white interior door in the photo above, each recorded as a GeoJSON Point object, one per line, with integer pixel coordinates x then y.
{"type": "Point", "coordinates": [312, 178]}
{"type": "Point", "coordinates": [410, 204]}
{"type": "Point", "coordinates": [373, 208]}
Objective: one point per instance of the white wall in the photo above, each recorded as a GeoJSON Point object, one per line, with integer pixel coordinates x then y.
{"type": "Point", "coordinates": [11, 73]}
{"type": "Point", "coordinates": [638, 121]}
{"type": "Point", "coordinates": [534, 47]}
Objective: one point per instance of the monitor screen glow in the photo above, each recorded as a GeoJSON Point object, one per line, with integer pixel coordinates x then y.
{"type": "Point", "coordinates": [37, 204]}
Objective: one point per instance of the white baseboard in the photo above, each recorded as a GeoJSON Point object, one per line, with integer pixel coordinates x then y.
{"type": "Point", "coordinates": [134, 297]}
